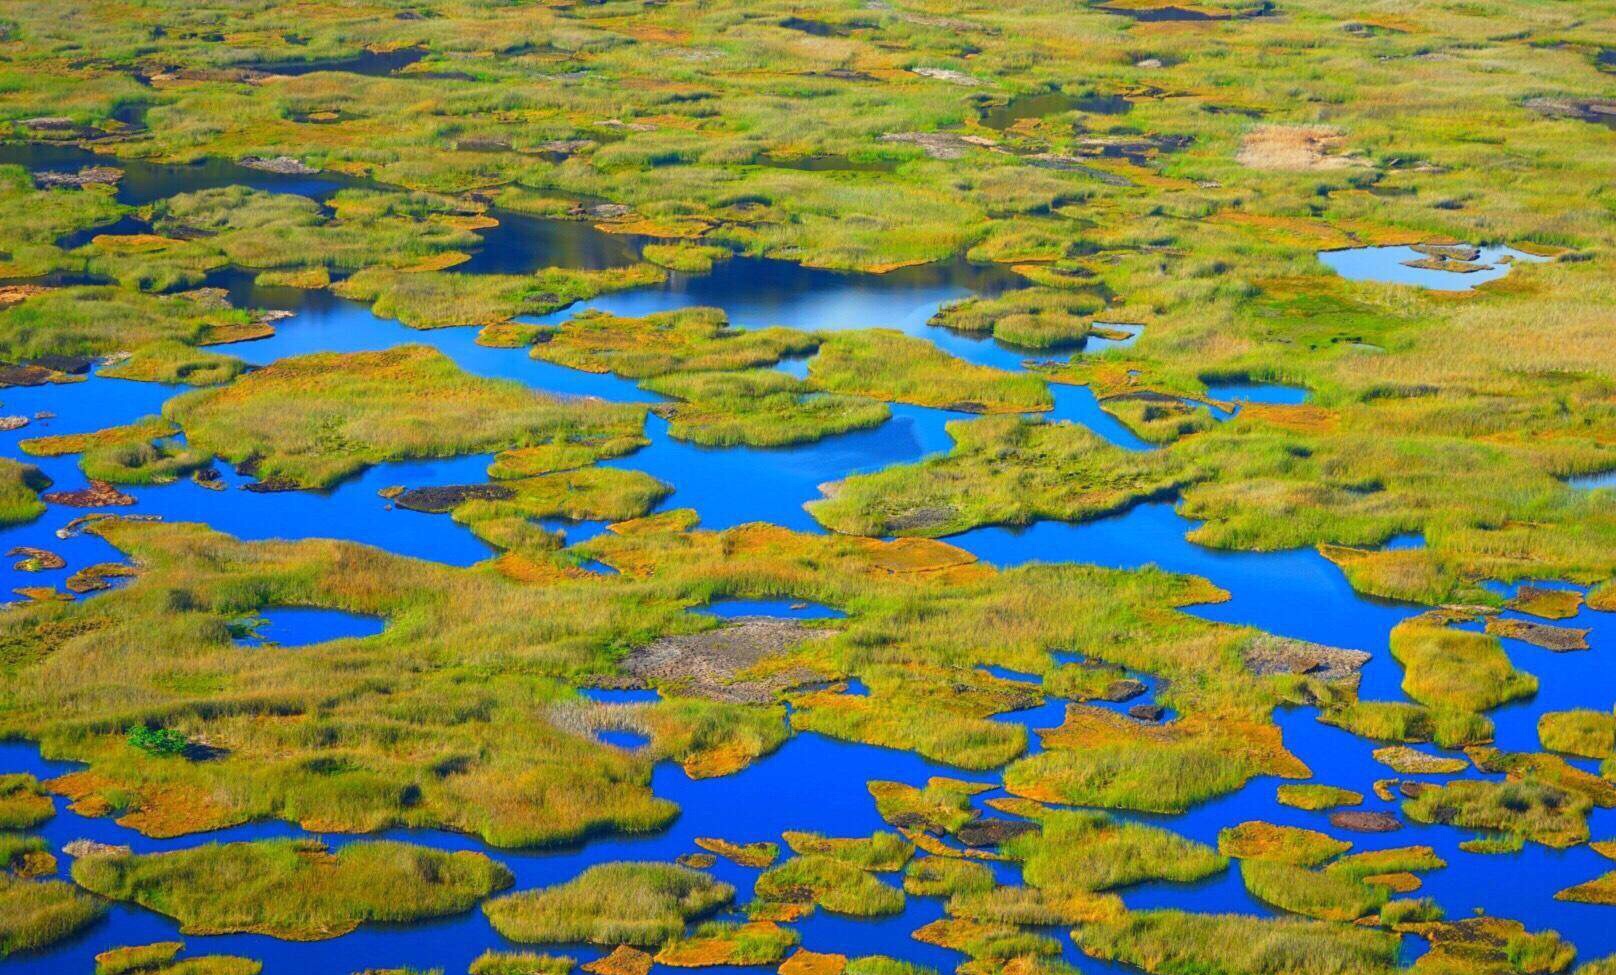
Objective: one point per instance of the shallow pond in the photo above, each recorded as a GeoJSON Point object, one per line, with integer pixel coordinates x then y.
{"type": "Point", "coordinates": [812, 782]}
{"type": "Point", "coordinates": [1594, 482]}
{"type": "Point", "coordinates": [1040, 104]}
{"type": "Point", "coordinates": [298, 626]}
{"type": "Point", "coordinates": [1390, 265]}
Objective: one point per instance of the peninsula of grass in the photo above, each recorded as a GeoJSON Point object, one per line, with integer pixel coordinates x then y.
{"type": "Point", "coordinates": [1312, 893]}
{"type": "Point", "coordinates": [20, 486]}
{"type": "Point", "coordinates": [294, 889]}
{"type": "Point", "coordinates": [36, 914]}
{"type": "Point", "coordinates": [23, 803]}
{"type": "Point", "coordinates": [441, 299]}
{"type": "Point", "coordinates": [173, 362]}
{"type": "Point", "coordinates": [891, 366]}
{"type": "Point", "coordinates": [610, 904]}
{"type": "Point", "coordinates": [136, 453]}
{"type": "Point", "coordinates": [100, 320]}
{"type": "Point", "coordinates": [26, 856]}
{"type": "Point", "coordinates": [945, 715]}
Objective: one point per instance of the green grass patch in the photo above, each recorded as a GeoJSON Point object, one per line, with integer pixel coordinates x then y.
{"type": "Point", "coordinates": [610, 904]}
{"type": "Point", "coordinates": [294, 889]}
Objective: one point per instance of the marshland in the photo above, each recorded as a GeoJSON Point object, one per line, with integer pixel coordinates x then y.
{"type": "Point", "coordinates": [819, 487]}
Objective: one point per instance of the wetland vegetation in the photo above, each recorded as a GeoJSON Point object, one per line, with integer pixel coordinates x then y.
{"type": "Point", "coordinates": [1197, 419]}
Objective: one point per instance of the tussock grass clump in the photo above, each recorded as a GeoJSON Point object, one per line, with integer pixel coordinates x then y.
{"type": "Point", "coordinates": [1371, 863]}
{"type": "Point", "coordinates": [986, 941]}
{"type": "Point", "coordinates": [519, 963]}
{"type": "Point", "coordinates": [687, 258]}
{"type": "Point", "coordinates": [23, 804]}
{"type": "Point", "coordinates": [118, 961]}
{"type": "Point", "coordinates": [881, 852]}
{"type": "Point", "coordinates": [26, 856]}
{"type": "Point", "coordinates": [835, 884]}
{"type": "Point", "coordinates": [1589, 734]}
{"type": "Point", "coordinates": [135, 453]}
{"type": "Point", "coordinates": [728, 943]}
{"type": "Point", "coordinates": [758, 408]}
{"type": "Point", "coordinates": [1281, 844]}
{"type": "Point", "coordinates": [1412, 761]}
{"type": "Point", "coordinates": [943, 805]}
{"type": "Point", "coordinates": [884, 965]}
{"type": "Point", "coordinates": [35, 914]}
{"type": "Point", "coordinates": [1492, 944]}
{"type": "Point", "coordinates": [1034, 318]}
{"type": "Point", "coordinates": [99, 320]}
{"type": "Point", "coordinates": [1098, 758]}
{"type": "Point", "coordinates": [891, 366]}
{"type": "Point", "coordinates": [1313, 893]}
{"type": "Point", "coordinates": [1002, 471]}
{"type": "Point", "coordinates": [686, 341]}
{"type": "Point", "coordinates": [1034, 906]}
{"type": "Point", "coordinates": [1176, 943]}
{"type": "Point", "coordinates": [1087, 851]}
{"type": "Point", "coordinates": [745, 854]}
{"type": "Point", "coordinates": [1458, 669]}
{"type": "Point", "coordinates": [610, 904]}
{"type": "Point", "coordinates": [1317, 797]}
{"type": "Point", "coordinates": [163, 959]}
{"type": "Point", "coordinates": [20, 485]}
{"type": "Point", "coordinates": [294, 889]}
{"type": "Point", "coordinates": [1406, 911]}
{"type": "Point", "coordinates": [1526, 808]}
{"type": "Point", "coordinates": [1402, 721]}
{"type": "Point", "coordinates": [936, 876]}
{"type": "Point", "coordinates": [589, 493]}
{"type": "Point", "coordinates": [312, 420]}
